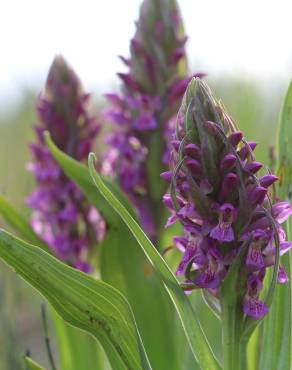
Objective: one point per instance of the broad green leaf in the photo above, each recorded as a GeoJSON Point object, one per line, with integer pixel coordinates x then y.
{"type": "Point", "coordinates": [90, 305]}
{"type": "Point", "coordinates": [194, 333]}
{"type": "Point", "coordinates": [77, 349]}
{"type": "Point", "coordinates": [276, 351]}
{"type": "Point", "coordinates": [14, 219]}
{"type": "Point", "coordinates": [32, 365]}
{"type": "Point", "coordinates": [124, 266]}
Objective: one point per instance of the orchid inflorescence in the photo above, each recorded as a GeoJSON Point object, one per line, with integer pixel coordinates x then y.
{"type": "Point", "coordinates": [220, 202]}
{"type": "Point", "coordinates": [61, 215]}
{"type": "Point", "coordinates": [144, 112]}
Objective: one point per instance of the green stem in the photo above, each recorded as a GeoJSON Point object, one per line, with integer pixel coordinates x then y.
{"type": "Point", "coordinates": [233, 348]}
{"type": "Point", "coordinates": [242, 354]}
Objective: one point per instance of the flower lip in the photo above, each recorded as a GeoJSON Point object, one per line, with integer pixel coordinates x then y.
{"type": "Point", "coordinates": [223, 232]}
{"type": "Point", "coordinates": [255, 308]}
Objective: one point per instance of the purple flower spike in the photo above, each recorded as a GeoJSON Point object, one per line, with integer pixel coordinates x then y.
{"type": "Point", "coordinates": [146, 110]}
{"type": "Point", "coordinates": [222, 206]}
{"type": "Point", "coordinates": [61, 215]}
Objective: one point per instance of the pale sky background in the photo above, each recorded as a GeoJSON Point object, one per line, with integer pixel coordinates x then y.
{"type": "Point", "coordinates": [252, 38]}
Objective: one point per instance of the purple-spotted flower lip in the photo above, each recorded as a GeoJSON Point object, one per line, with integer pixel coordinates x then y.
{"type": "Point", "coordinates": [223, 231]}
{"type": "Point", "coordinates": [255, 308]}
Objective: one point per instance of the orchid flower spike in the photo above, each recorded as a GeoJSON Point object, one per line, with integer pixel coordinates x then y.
{"type": "Point", "coordinates": [61, 216]}
{"type": "Point", "coordinates": [143, 114]}
{"type": "Point", "coordinates": [224, 206]}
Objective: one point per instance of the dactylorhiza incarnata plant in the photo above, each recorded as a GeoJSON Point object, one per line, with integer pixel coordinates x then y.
{"type": "Point", "coordinates": [61, 215]}
{"type": "Point", "coordinates": [143, 114]}
{"type": "Point", "coordinates": [230, 215]}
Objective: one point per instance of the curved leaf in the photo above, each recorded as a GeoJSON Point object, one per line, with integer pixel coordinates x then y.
{"type": "Point", "coordinates": [134, 277]}
{"type": "Point", "coordinates": [90, 305]}
{"type": "Point", "coordinates": [75, 347]}
{"type": "Point", "coordinates": [81, 177]}
{"type": "Point", "coordinates": [194, 333]}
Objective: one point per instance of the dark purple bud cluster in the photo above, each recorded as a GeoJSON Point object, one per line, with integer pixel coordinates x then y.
{"type": "Point", "coordinates": [61, 215]}
{"type": "Point", "coordinates": [143, 114]}
{"type": "Point", "coordinates": [222, 203]}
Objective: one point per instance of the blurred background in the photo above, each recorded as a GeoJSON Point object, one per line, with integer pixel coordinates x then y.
{"type": "Point", "coordinates": [244, 46]}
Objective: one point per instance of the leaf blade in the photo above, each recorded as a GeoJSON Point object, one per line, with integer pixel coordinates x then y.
{"type": "Point", "coordinates": [90, 305]}
{"type": "Point", "coordinates": [77, 349]}
{"type": "Point", "coordinates": [133, 277]}
{"type": "Point", "coordinates": [31, 364]}
{"type": "Point", "coordinates": [195, 336]}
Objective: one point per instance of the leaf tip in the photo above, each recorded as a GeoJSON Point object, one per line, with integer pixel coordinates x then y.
{"type": "Point", "coordinates": [91, 159]}
{"type": "Point", "coordinates": [47, 136]}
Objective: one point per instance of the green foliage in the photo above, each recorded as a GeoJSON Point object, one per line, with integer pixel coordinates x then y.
{"type": "Point", "coordinates": [32, 365]}
{"type": "Point", "coordinates": [77, 349]}
{"type": "Point", "coordinates": [91, 305]}
{"type": "Point", "coordinates": [194, 333]}
{"type": "Point", "coordinates": [124, 266]}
